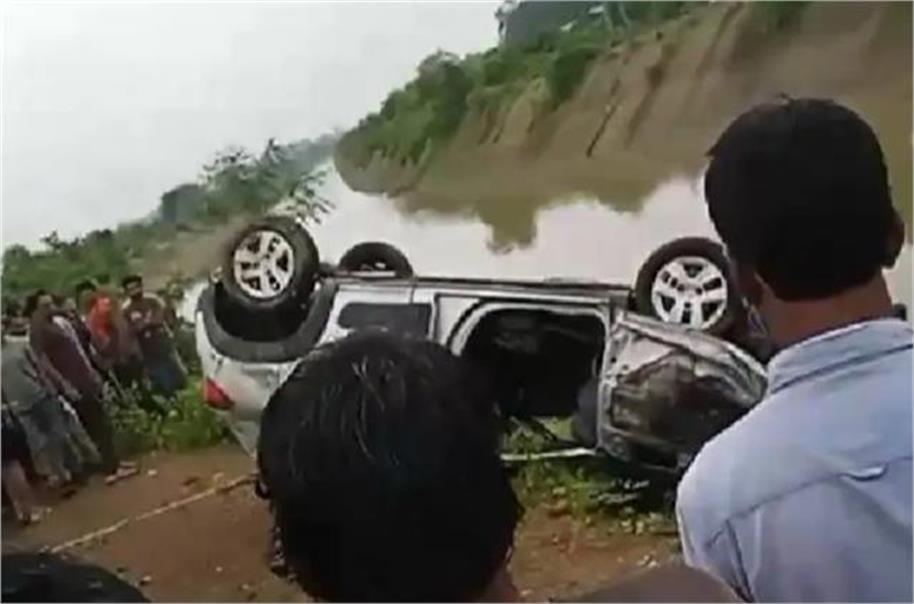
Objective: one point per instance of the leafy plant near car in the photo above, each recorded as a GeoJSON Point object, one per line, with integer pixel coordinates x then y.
{"type": "Point", "coordinates": [186, 425]}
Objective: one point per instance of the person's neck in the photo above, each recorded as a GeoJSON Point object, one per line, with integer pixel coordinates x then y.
{"type": "Point", "coordinates": [795, 321]}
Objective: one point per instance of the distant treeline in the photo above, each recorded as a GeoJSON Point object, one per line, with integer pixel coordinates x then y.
{"type": "Point", "coordinates": [235, 182]}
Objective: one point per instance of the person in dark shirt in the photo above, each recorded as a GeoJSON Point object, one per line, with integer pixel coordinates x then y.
{"type": "Point", "coordinates": [66, 364]}
{"type": "Point", "coordinates": [146, 316]}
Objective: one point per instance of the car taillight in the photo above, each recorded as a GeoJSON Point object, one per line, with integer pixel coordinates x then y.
{"type": "Point", "coordinates": [214, 396]}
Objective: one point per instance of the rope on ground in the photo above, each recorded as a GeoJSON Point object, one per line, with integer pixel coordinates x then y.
{"type": "Point", "coordinates": [180, 503]}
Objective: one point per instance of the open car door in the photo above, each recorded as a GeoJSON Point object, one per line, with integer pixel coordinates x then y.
{"type": "Point", "coordinates": [666, 390]}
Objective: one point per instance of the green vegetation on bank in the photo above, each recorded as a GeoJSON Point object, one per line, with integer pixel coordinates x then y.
{"type": "Point", "coordinates": [235, 183]}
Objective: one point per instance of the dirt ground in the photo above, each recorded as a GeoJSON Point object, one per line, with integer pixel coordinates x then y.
{"type": "Point", "coordinates": [214, 548]}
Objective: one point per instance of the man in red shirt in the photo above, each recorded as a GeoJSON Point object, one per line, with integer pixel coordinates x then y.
{"type": "Point", "coordinates": [111, 336]}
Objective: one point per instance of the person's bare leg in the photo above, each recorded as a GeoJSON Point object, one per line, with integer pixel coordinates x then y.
{"type": "Point", "coordinates": [20, 492]}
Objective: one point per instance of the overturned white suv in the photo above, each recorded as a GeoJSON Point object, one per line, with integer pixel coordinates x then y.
{"type": "Point", "coordinates": [645, 373]}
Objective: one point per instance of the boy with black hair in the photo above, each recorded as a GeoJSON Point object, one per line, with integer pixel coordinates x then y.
{"type": "Point", "coordinates": [145, 314]}
{"type": "Point", "coordinates": [808, 497]}
{"type": "Point", "coordinates": [379, 455]}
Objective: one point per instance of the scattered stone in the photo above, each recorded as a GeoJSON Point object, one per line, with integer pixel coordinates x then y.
{"type": "Point", "coordinates": [217, 477]}
{"type": "Point", "coordinates": [555, 540]}
{"type": "Point", "coordinates": [218, 570]}
{"type": "Point", "coordinates": [647, 560]}
{"type": "Point", "coordinates": [145, 580]}
{"type": "Point", "coordinates": [559, 508]}
{"type": "Point", "coordinates": [152, 473]}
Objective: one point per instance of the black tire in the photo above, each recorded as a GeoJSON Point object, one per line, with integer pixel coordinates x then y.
{"type": "Point", "coordinates": [305, 264]}
{"type": "Point", "coordinates": [688, 247]}
{"type": "Point", "coordinates": [376, 256]}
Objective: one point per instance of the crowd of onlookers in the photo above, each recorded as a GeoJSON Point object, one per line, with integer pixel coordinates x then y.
{"type": "Point", "coordinates": [65, 362]}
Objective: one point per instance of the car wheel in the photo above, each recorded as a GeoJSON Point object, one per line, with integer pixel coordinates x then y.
{"type": "Point", "coordinates": [376, 256]}
{"type": "Point", "coordinates": [270, 265]}
{"type": "Point", "coordinates": [688, 282]}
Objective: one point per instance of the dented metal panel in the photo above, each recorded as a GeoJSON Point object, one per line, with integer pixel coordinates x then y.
{"type": "Point", "coordinates": [667, 390]}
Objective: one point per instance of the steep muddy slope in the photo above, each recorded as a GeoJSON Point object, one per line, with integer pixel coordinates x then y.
{"type": "Point", "coordinates": [650, 107]}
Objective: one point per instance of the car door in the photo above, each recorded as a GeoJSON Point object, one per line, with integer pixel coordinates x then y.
{"type": "Point", "coordinates": [365, 305]}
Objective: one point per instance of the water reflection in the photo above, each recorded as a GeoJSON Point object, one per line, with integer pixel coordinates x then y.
{"type": "Point", "coordinates": [575, 237]}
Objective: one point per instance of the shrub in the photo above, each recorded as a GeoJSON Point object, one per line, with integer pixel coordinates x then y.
{"type": "Point", "coordinates": [187, 424]}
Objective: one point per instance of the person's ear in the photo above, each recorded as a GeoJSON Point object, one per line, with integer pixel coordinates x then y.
{"type": "Point", "coordinates": [894, 242]}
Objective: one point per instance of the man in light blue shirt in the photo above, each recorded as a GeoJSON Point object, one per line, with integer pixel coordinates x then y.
{"type": "Point", "coordinates": [808, 497]}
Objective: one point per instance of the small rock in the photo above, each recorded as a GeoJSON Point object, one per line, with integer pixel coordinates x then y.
{"type": "Point", "coordinates": [559, 508]}
{"type": "Point", "coordinates": [152, 473]}
{"type": "Point", "coordinates": [145, 580]}
{"type": "Point", "coordinates": [525, 592]}
{"type": "Point", "coordinates": [245, 587]}
{"type": "Point", "coordinates": [218, 569]}
{"type": "Point", "coordinates": [217, 477]}
{"type": "Point", "coordinates": [646, 560]}
{"type": "Point", "coordinates": [555, 540]}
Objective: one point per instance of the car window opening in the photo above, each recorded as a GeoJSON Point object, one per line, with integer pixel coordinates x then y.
{"type": "Point", "coordinates": [538, 361]}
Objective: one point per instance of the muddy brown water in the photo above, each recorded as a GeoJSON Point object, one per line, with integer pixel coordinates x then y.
{"type": "Point", "coordinates": [573, 237]}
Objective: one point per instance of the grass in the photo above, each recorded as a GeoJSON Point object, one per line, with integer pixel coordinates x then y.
{"type": "Point", "coordinates": [587, 489]}
{"type": "Point", "coordinates": [187, 424]}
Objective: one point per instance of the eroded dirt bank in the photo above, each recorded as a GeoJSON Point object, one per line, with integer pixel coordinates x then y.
{"type": "Point", "coordinates": [649, 109]}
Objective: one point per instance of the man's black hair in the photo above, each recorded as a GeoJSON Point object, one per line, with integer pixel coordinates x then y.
{"type": "Point", "coordinates": [35, 577]}
{"type": "Point", "coordinates": [798, 191]}
{"type": "Point", "coordinates": [379, 455]}
{"type": "Point", "coordinates": [31, 302]}
{"type": "Point", "coordinates": [131, 279]}
{"type": "Point", "coordinates": [84, 286]}
{"type": "Point", "coordinates": [11, 307]}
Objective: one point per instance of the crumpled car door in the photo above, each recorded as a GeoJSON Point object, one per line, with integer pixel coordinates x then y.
{"type": "Point", "coordinates": [666, 390]}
